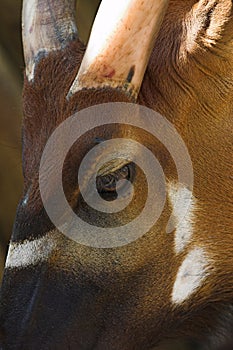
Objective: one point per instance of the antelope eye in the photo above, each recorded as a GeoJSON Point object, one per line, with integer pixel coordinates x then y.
{"type": "Point", "coordinates": [106, 184]}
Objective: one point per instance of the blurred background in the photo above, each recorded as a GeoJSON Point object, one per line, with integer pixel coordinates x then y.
{"type": "Point", "coordinates": [11, 72]}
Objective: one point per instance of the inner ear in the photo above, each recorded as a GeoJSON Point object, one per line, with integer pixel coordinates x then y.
{"type": "Point", "coordinates": [211, 18]}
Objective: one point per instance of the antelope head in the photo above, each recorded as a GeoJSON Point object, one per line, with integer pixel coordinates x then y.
{"type": "Point", "coordinates": [173, 57]}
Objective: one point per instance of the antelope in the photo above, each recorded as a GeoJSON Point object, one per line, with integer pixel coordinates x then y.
{"type": "Point", "coordinates": [173, 57]}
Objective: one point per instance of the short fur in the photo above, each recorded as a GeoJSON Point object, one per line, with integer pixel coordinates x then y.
{"type": "Point", "coordinates": [120, 299]}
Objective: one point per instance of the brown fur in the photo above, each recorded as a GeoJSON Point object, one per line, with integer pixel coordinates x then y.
{"type": "Point", "coordinates": [120, 298]}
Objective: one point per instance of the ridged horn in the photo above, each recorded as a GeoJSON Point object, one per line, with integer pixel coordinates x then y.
{"type": "Point", "coordinates": [47, 26]}
{"type": "Point", "coordinates": [120, 45]}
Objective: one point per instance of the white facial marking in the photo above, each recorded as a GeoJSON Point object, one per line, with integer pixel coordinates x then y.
{"type": "Point", "coordinates": [30, 253]}
{"type": "Point", "coordinates": [183, 215]}
{"type": "Point", "coordinates": [191, 275]}
{"type": "Point", "coordinates": [25, 200]}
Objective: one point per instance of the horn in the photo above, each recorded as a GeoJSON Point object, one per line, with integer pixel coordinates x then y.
{"type": "Point", "coordinates": [47, 26]}
{"type": "Point", "coordinates": [120, 45]}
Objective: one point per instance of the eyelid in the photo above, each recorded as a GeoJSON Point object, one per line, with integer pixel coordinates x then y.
{"type": "Point", "coordinates": [113, 166]}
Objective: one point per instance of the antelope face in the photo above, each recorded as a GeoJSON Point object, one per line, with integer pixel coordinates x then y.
{"type": "Point", "coordinates": [174, 57]}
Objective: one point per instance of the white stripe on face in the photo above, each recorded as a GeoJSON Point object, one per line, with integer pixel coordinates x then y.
{"type": "Point", "coordinates": [183, 215]}
{"type": "Point", "coordinates": [191, 275]}
{"type": "Point", "coordinates": [29, 253]}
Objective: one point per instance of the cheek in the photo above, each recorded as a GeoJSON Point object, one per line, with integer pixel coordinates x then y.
{"type": "Point", "coordinates": [183, 215]}
{"type": "Point", "coordinates": [191, 275]}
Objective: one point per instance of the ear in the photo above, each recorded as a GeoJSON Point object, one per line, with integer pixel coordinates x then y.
{"type": "Point", "coordinates": [212, 24]}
